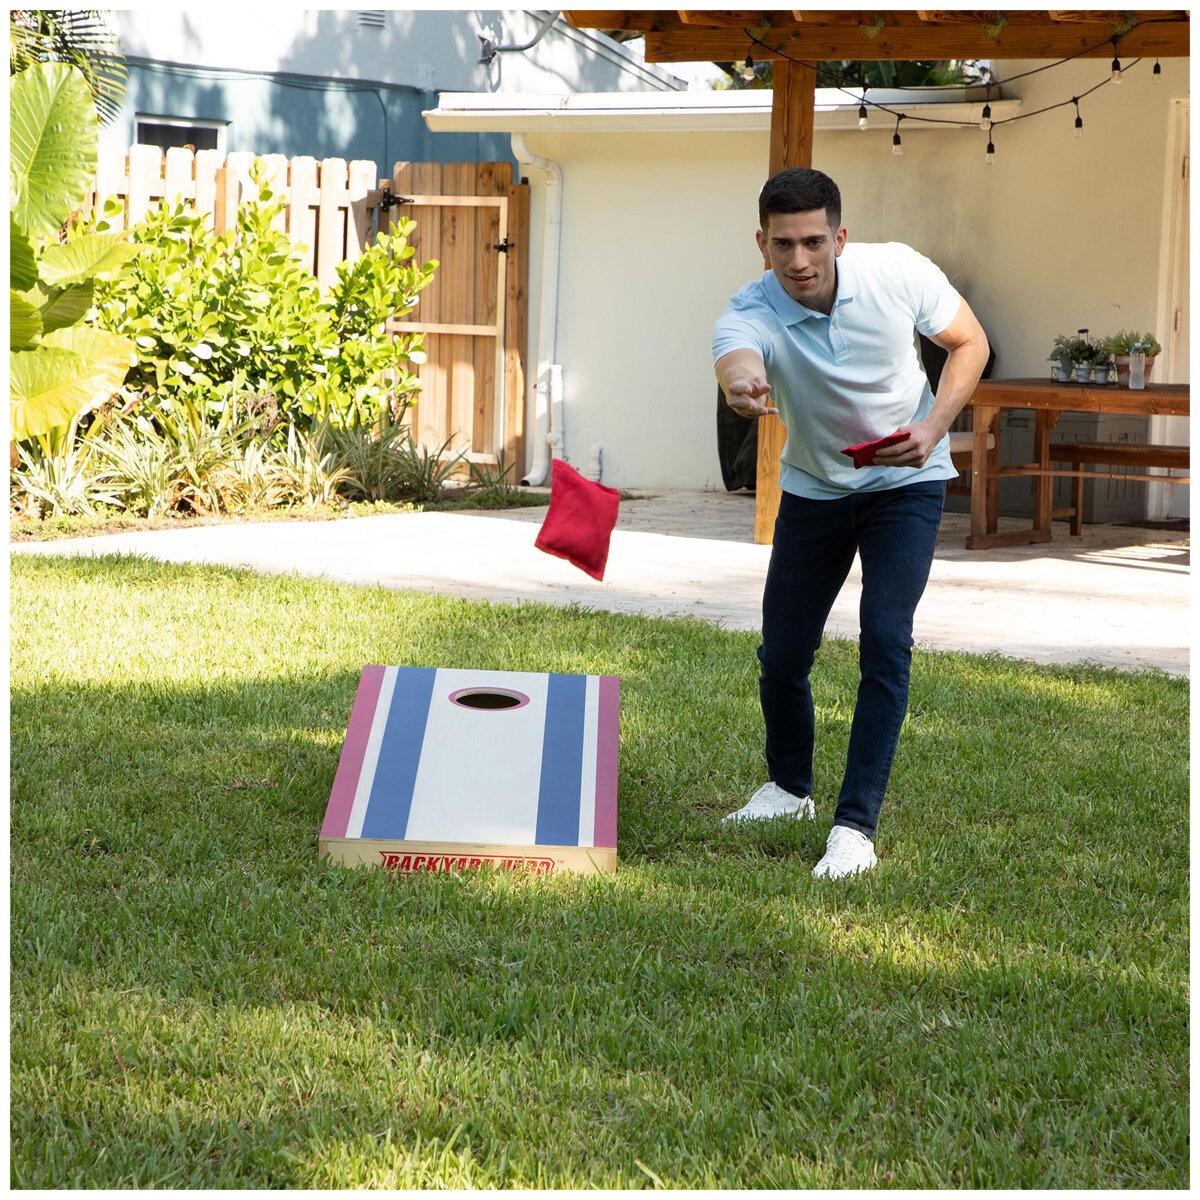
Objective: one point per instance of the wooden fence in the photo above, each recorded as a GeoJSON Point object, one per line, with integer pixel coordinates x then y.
{"type": "Point", "coordinates": [331, 210]}
{"type": "Point", "coordinates": [471, 217]}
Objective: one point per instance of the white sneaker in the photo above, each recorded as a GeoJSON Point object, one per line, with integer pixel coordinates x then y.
{"type": "Point", "coordinates": [772, 801]}
{"type": "Point", "coordinates": [847, 852]}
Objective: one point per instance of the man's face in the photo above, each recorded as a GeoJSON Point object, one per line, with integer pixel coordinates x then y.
{"type": "Point", "coordinates": [801, 248]}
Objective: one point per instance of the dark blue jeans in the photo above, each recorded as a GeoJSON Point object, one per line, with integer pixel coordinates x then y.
{"type": "Point", "coordinates": [894, 533]}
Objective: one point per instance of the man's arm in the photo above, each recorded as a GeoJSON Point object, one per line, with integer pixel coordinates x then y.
{"type": "Point", "coordinates": [967, 353]}
{"type": "Point", "coordinates": [742, 375]}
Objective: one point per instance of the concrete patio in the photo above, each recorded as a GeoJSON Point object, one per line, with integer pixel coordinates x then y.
{"type": "Point", "coordinates": [1118, 595]}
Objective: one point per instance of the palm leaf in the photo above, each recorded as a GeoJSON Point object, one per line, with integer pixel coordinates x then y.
{"type": "Point", "coordinates": [79, 38]}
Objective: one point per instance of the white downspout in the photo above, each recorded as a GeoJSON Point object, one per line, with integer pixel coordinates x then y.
{"type": "Point", "coordinates": [546, 386]}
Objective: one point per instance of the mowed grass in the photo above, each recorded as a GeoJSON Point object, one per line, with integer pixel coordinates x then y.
{"type": "Point", "coordinates": [197, 1001]}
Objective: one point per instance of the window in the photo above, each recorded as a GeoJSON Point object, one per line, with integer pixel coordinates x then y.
{"type": "Point", "coordinates": [165, 132]}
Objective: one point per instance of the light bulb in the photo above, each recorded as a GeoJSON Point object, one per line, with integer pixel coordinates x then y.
{"type": "Point", "coordinates": [862, 116]}
{"type": "Point", "coordinates": [1116, 70]}
{"type": "Point", "coordinates": [990, 156]}
{"type": "Point", "coordinates": [1157, 71]}
{"type": "Point", "coordinates": [897, 147]}
{"type": "Point", "coordinates": [1079, 127]}
{"type": "Point", "coordinates": [985, 119]}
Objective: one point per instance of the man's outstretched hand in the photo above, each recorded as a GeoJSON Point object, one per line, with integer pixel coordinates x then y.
{"type": "Point", "coordinates": [750, 397]}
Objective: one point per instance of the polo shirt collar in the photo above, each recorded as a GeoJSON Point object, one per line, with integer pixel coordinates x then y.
{"type": "Point", "coordinates": [792, 312]}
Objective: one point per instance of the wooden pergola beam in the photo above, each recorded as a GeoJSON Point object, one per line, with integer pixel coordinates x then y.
{"type": "Point", "coordinates": [931, 41]}
{"type": "Point", "coordinates": [697, 35]}
{"type": "Point", "coordinates": [793, 112]}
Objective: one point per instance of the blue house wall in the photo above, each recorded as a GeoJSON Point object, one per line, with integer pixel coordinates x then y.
{"type": "Point", "coordinates": [269, 113]}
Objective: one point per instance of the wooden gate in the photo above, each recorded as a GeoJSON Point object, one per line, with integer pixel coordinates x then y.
{"type": "Point", "coordinates": [474, 220]}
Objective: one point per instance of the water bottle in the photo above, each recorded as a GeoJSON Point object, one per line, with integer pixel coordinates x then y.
{"type": "Point", "coordinates": [1137, 366]}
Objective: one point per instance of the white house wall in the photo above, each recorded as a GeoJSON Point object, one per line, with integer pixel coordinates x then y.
{"type": "Point", "coordinates": [658, 232]}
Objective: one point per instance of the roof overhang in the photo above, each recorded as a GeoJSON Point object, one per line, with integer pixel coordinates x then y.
{"type": "Point", "coordinates": [696, 112]}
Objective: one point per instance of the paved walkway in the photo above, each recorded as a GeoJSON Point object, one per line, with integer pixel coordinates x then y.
{"type": "Point", "coordinates": [1119, 595]}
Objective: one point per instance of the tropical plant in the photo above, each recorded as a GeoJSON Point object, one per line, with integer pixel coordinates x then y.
{"type": "Point", "coordinates": [60, 475]}
{"type": "Point", "coordinates": [310, 469]}
{"type": "Point", "coordinates": [373, 460]}
{"type": "Point", "coordinates": [59, 366]}
{"type": "Point", "coordinates": [79, 38]}
{"type": "Point", "coordinates": [493, 485]}
{"type": "Point", "coordinates": [424, 472]}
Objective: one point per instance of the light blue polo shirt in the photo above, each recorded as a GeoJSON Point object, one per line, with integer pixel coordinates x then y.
{"type": "Point", "coordinates": [852, 376]}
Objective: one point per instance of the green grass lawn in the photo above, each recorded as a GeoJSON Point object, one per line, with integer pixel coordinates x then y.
{"type": "Point", "coordinates": [197, 1001]}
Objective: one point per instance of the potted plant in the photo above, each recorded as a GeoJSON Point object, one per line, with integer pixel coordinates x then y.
{"type": "Point", "coordinates": [1064, 355]}
{"type": "Point", "coordinates": [1083, 354]}
{"type": "Point", "coordinates": [1118, 345]}
{"type": "Point", "coordinates": [1102, 364]}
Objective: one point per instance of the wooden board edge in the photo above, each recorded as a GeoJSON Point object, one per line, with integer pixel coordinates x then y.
{"type": "Point", "coordinates": [409, 856]}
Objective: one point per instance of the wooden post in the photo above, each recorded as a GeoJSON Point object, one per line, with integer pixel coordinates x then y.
{"type": "Point", "coordinates": [791, 146]}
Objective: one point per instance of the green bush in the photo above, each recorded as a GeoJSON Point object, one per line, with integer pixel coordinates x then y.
{"type": "Point", "coordinates": [226, 325]}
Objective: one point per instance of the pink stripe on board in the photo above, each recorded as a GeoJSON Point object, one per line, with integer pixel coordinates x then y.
{"type": "Point", "coordinates": [354, 748]}
{"type": "Point", "coordinates": [607, 745]}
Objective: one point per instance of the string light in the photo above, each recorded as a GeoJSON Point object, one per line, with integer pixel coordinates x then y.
{"type": "Point", "coordinates": [747, 71]}
{"type": "Point", "coordinates": [987, 124]}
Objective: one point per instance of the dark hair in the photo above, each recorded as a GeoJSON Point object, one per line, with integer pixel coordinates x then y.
{"type": "Point", "coordinates": [800, 189]}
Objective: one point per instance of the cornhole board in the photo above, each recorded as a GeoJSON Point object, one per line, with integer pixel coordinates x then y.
{"type": "Point", "coordinates": [449, 769]}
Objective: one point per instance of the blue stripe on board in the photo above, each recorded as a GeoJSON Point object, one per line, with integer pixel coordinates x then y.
{"type": "Point", "coordinates": [562, 762]}
{"type": "Point", "coordinates": [400, 754]}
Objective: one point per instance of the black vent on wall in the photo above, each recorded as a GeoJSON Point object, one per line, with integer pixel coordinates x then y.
{"type": "Point", "coordinates": [372, 18]}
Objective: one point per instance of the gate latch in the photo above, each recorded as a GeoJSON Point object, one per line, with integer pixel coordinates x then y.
{"type": "Point", "coordinates": [388, 199]}
{"type": "Point", "coordinates": [503, 246]}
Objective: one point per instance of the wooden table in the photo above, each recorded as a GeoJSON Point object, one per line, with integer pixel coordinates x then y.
{"type": "Point", "coordinates": [1048, 401]}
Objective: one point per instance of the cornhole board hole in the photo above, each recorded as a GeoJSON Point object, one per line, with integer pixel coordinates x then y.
{"type": "Point", "coordinates": [448, 769]}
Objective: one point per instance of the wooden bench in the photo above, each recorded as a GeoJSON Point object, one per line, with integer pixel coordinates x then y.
{"type": "Point", "coordinates": [960, 448]}
{"type": "Point", "coordinates": [1114, 454]}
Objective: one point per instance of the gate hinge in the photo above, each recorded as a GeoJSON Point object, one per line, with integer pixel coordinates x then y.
{"type": "Point", "coordinates": [504, 247]}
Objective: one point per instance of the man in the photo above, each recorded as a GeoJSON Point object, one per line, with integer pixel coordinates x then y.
{"type": "Point", "coordinates": [826, 339]}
